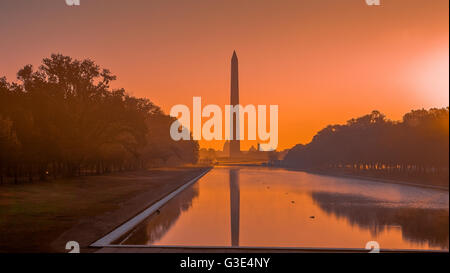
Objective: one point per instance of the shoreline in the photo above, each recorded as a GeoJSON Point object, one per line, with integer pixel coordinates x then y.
{"type": "Point", "coordinates": [370, 178]}
{"type": "Point", "coordinates": [81, 209]}
{"type": "Point", "coordinates": [127, 226]}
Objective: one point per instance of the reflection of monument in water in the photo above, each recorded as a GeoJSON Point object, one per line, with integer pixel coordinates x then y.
{"type": "Point", "coordinates": [235, 150]}
{"type": "Point", "coordinates": [234, 206]}
{"type": "Point", "coordinates": [235, 146]}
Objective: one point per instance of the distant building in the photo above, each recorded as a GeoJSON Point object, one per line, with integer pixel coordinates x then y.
{"type": "Point", "coordinates": [226, 148]}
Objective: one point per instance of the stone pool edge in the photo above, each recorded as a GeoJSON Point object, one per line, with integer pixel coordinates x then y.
{"type": "Point", "coordinates": [127, 226]}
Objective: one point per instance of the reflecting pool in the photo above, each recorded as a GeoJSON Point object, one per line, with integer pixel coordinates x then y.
{"type": "Point", "coordinates": [262, 207]}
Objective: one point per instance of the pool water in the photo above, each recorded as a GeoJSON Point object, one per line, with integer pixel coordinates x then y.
{"type": "Point", "coordinates": [262, 207]}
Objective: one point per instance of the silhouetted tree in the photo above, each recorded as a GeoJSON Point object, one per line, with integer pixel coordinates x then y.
{"type": "Point", "coordinates": [64, 119]}
{"type": "Point", "coordinates": [416, 146]}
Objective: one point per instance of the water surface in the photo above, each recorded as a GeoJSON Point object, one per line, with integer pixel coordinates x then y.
{"type": "Point", "coordinates": [261, 207]}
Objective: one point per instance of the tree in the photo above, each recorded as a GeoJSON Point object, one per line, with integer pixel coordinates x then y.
{"type": "Point", "coordinates": [64, 119]}
{"type": "Point", "coordinates": [416, 146]}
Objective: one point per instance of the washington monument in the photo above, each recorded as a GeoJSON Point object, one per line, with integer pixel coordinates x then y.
{"type": "Point", "coordinates": [235, 146]}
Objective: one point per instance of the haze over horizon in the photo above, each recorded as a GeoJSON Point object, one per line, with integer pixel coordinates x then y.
{"type": "Point", "coordinates": [322, 62]}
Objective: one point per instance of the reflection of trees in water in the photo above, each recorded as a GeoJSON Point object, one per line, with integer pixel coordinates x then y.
{"type": "Point", "coordinates": [418, 225]}
{"type": "Point", "coordinates": [154, 228]}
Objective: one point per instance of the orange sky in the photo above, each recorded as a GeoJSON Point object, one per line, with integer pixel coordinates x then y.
{"type": "Point", "coordinates": [321, 61]}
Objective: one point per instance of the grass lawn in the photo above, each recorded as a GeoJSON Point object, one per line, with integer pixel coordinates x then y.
{"type": "Point", "coordinates": [43, 216]}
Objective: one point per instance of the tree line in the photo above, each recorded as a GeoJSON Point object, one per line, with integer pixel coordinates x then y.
{"type": "Point", "coordinates": [417, 146]}
{"type": "Point", "coordinates": [64, 119]}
